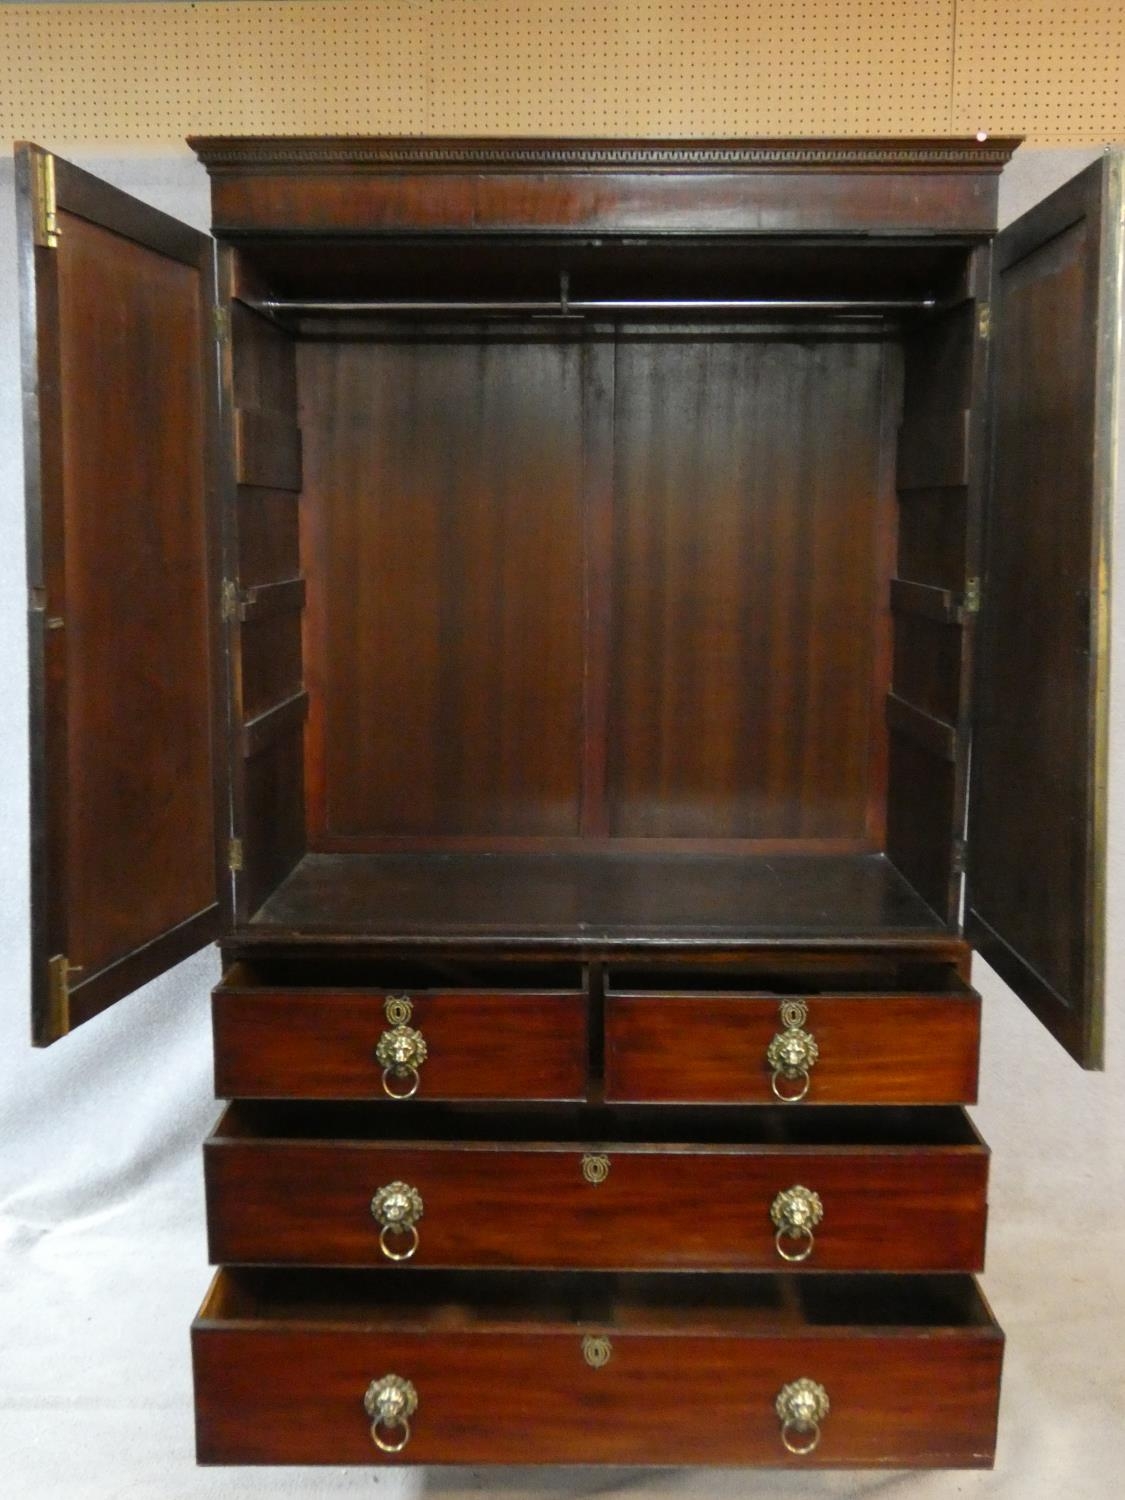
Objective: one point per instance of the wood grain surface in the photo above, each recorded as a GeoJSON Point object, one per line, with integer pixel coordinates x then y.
{"type": "Point", "coordinates": [912, 1371]}
{"type": "Point", "coordinates": [120, 434]}
{"type": "Point", "coordinates": [878, 1049]}
{"type": "Point", "coordinates": [310, 1044]}
{"type": "Point", "coordinates": [298, 1191]}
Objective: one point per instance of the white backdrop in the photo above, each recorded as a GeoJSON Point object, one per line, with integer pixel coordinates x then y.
{"type": "Point", "coordinates": [102, 1248]}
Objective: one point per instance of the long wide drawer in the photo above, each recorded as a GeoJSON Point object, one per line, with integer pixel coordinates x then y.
{"type": "Point", "coordinates": [344, 1367]}
{"type": "Point", "coordinates": [364, 1031]}
{"type": "Point", "coordinates": [893, 1190]}
{"type": "Point", "coordinates": [901, 1036]}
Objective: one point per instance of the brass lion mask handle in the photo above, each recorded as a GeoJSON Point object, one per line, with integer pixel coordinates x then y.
{"type": "Point", "coordinates": [792, 1054]}
{"type": "Point", "coordinates": [400, 1050]}
{"type": "Point", "coordinates": [390, 1403]}
{"type": "Point", "coordinates": [795, 1213]}
{"type": "Point", "coordinates": [397, 1207]}
{"type": "Point", "coordinates": [801, 1407]}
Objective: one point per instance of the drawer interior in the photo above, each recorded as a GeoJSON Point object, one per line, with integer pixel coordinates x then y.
{"type": "Point", "coordinates": [448, 1301]}
{"type": "Point", "coordinates": [905, 1128]}
{"type": "Point", "coordinates": [892, 977]}
{"type": "Point", "coordinates": [409, 975]}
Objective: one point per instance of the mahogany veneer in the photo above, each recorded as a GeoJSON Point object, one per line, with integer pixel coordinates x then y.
{"type": "Point", "coordinates": [686, 1190]}
{"type": "Point", "coordinates": [545, 604]}
{"type": "Point", "coordinates": [282, 1363]}
{"type": "Point", "coordinates": [710, 1046]}
{"type": "Point", "coordinates": [301, 1042]}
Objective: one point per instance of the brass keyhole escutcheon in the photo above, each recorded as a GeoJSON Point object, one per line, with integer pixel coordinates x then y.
{"type": "Point", "coordinates": [801, 1407]}
{"type": "Point", "coordinates": [595, 1168]}
{"type": "Point", "coordinates": [398, 1009]}
{"type": "Point", "coordinates": [596, 1350]}
{"type": "Point", "coordinates": [390, 1403]}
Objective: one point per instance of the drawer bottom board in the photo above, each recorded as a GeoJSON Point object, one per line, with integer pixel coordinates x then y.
{"type": "Point", "coordinates": [596, 1369]}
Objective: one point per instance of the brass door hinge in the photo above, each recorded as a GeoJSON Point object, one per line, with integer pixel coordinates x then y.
{"type": "Point", "coordinates": [221, 316]}
{"type": "Point", "coordinates": [234, 855]}
{"type": "Point", "coordinates": [229, 601]}
{"type": "Point", "coordinates": [959, 856]}
{"type": "Point", "coordinates": [984, 320]}
{"type": "Point", "coordinates": [971, 602]}
{"type": "Point", "coordinates": [45, 209]}
{"type": "Point", "coordinates": [59, 971]}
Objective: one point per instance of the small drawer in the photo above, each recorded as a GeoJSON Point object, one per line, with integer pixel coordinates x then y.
{"type": "Point", "coordinates": [908, 1035]}
{"type": "Point", "coordinates": [295, 1367]}
{"type": "Point", "coordinates": [293, 1031]}
{"type": "Point", "coordinates": [719, 1190]}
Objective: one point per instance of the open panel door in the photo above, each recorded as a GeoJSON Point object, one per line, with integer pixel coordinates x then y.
{"type": "Point", "coordinates": [1036, 869]}
{"type": "Point", "coordinates": [119, 426]}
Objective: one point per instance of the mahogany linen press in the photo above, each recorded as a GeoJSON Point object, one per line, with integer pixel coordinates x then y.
{"type": "Point", "coordinates": [597, 631]}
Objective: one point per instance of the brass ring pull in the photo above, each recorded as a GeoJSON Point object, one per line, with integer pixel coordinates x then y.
{"type": "Point", "coordinates": [381, 1442]}
{"type": "Point", "coordinates": [397, 1207]}
{"type": "Point", "coordinates": [388, 1229]}
{"type": "Point", "coordinates": [796, 1212]}
{"type": "Point", "coordinates": [800, 1449]}
{"type": "Point", "coordinates": [791, 1055]}
{"type": "Point", "coordinates": [801, 1077]}
{"type": "Point", "coordinates": [410, 1073]}
{"type": "Point", "coordinates": [401, 1050]}
{"type": "Point", "coordinates": [794, 1257]}
{"type": "Point", "coordinates": [390, 1403]}
{"type": "Point", "coordinates": [801, 1407]}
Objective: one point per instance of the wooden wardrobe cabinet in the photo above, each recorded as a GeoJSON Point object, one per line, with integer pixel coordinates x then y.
{"type": "Point", "coordinates": [595, 630]}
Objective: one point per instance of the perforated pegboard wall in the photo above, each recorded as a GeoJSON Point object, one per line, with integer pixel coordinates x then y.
{"type": "Point", "coordinates": [1053, 70]}
{"type": "Point", "coordinates": [150, 74]}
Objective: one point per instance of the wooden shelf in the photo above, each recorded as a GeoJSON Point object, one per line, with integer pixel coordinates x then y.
{"type": "Point", "coordinates": [596, 901]}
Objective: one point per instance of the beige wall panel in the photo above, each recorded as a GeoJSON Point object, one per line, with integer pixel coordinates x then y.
{"type": "Point", "coordinates": [151, 74]}
{"type": "Point", "coordinates": [692, 67]}
{"type": "Point", "coordinates": [148, 74]}
{"type": "Point", "coordinates": [1053, 70]}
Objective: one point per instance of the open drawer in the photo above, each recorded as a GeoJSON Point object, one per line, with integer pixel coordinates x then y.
{"type": "Point", "coordinates": [287, 1029]}
{"type": "Point", "coordinates": [725, 1189]}
{"type": "Point", "coordinates": [439, 1367]}
{"type": "Point", "coordinates": [906, 1033]}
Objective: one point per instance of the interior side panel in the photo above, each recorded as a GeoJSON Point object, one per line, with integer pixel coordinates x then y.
{"type": "Point", "coordinates": [267, 631]}
{"type": "Point", "coordinates": [940, 457]}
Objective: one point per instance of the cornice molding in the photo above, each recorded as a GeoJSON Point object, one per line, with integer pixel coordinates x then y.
{"type": "Point", "coordinates": [515, 154]}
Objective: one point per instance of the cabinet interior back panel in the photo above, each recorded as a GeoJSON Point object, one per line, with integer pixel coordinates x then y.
{"type": "Point", "coordinates": [443, 542]}
{"type": "Point", "coordinates": [748, 573]}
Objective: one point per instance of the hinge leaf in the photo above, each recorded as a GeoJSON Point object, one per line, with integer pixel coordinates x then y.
{"type": "Point", "coordinates": [45, 210]}
{"type": "Point", "coordinates": [234, 855]}
{"type": "Point", "coordinates": [970, 604]}
{"type": "Point", "coordinates": [984, 320]}
{"type": "Point", "coordinates": [59, 971]}
{"type": "Point", "coordinates": [229, 601]}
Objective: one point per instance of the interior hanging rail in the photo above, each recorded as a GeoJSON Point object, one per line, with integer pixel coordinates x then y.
{"type": "Point", "coordinates": [580, 306]}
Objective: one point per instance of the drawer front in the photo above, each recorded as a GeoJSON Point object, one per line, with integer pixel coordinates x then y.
{"type": "Point", "coordinates": [271, 1392]}
{"type": "Point", "coordinates": [321, 1044]}
{"type": "Point", "coordinates": [279, 1202]}
{"type": "Point", "coordinates": [714, 1049]}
